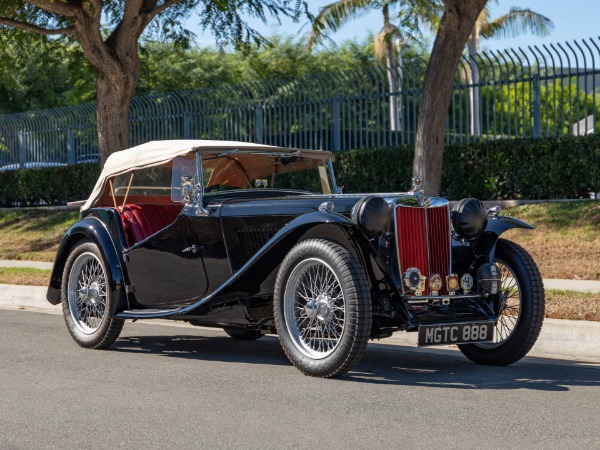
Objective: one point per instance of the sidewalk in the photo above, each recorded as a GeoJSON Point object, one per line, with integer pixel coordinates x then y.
{"type": "Point", "coordinates": [27, 264]}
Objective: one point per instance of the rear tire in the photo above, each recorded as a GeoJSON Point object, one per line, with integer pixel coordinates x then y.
{"type": "Point", "coordinates": [88, 303]}
{"type": "Point", "coordinates": [521, 312]}
{"type": "Point", "coordinates": [322, 308]}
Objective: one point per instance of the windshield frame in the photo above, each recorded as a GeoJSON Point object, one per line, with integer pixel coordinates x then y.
{"type": "Point", "coordinates": [327, 174]}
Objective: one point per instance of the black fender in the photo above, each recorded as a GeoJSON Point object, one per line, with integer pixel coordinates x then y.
{"type": "Point", "coordinates": [485, 246]}
{"type": "Point", "coordinates": [95, 230]}
{"type": "Point", "coordinates": [500, 224]}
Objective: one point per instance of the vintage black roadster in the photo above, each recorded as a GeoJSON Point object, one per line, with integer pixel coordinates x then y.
{"type": "Point", "coordinates": [258, 239]}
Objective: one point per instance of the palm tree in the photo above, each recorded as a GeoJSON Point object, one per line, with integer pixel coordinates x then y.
{"type": "Point", "coordinates": [512, 24]}
{"type": "Point", "coordinates": [411, 12]}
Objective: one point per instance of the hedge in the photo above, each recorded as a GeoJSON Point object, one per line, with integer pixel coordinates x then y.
{"type": "Point", "coordinates": [501, 169]}
{"type": "Point", "coordinates": [48, 185]}
{"type": "Point", "coordinates": [546, 168]}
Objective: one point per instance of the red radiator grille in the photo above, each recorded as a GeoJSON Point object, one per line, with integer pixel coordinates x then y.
{"type": "Point", "coordinates": [418, 227]}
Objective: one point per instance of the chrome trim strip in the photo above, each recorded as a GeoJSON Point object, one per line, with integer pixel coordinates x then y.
{"type": "Point", "coordinates": [441, 297]}
{"type": "Point", "coordinates": [427, 243]}
{"type": "Point", "coordinates": [397, 235]}
{"type": "Point", "coordinates": [334, 187]}
{"type": "Point", "coordinates": [200, 178]}
{"type": "Point", "coordinates": [450, 244]}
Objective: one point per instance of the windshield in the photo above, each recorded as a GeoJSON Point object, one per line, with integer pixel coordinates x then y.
{"type": "Point", "coordinates": [260, 171]}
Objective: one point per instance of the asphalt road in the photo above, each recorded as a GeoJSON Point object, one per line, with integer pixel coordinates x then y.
{"type": "Point", "coordinates": [183, 387]}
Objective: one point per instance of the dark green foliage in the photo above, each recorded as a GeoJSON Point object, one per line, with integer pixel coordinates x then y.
{"type": "Point", "coordinates": [501, 169]}
{"type": "Point", "coordinates": [47, 186]}
{"type": "Point", "coordinates": [523, 168]}
{"type": "Point", "coordinates": [383, 170]}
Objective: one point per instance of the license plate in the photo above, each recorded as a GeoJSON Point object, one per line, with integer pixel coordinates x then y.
{"type": "Point", "coordinates": [455, 333]}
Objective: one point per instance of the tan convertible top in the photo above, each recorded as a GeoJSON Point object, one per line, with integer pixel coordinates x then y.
{"type": "Point", "coordinates": [156, 153]}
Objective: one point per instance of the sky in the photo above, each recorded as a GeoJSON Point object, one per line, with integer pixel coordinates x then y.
{"type": "Point", "coordinates": [574, 19]}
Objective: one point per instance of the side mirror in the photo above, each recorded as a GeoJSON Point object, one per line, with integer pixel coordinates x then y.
{"type": "Point", "coordinates": [189, 190]}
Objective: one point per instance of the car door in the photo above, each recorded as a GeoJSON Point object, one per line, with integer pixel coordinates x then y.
{"type": "Point", "coordinates": [167, 268]}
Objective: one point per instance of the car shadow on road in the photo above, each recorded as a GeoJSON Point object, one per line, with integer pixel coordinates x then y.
{"type": "Point", "coordinates": [209, 348]}
{"type": "Point", "coordinates": [449, 369]}
{"type": "Point", "coordinates": [381, 364]}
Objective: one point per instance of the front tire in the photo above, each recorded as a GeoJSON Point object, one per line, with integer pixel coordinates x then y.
{"type": "Point", "coordinates": [322, 308]}
{"type": "Point", "coordinates": [521, 311]}
{"type": "Point", "coordinates": [88, 303]}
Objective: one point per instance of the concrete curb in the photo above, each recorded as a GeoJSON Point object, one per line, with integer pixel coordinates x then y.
{"type": "Point", "coordinates": [562, 339]}
{"type": "Point", "coordinates": [572, 285]}
{"type": "Point", "coordinates": [26, 264]}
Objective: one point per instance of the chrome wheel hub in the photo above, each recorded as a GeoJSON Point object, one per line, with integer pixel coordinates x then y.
{"type": "Point", "coordinates": [324, 309]}
{"type": "Point", "coordinates": [314, 308]}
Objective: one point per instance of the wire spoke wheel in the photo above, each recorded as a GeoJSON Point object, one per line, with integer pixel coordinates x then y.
{"type": "Point", "coordinates": [519, 309]}
{"type": "Point", "coordinates": [322, 308]}
{"type": "Point", "coordinates": [87, 293]}
{"type": "Point", "coordinates": [509, 310]}
{"type": "Point", "coordinates": [87, 301]}
{"type": "Point", "coordinates": [315, 310]}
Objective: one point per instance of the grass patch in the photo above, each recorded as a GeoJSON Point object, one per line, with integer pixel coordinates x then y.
{"type": "Point", "coordinates": [566, 241]}
{"type": "Point", "coordinates": [33, 234]}
{"type": "Point", "coordinates": [24, 276]}
{"type": "Point", "coordinates": [572, 305]}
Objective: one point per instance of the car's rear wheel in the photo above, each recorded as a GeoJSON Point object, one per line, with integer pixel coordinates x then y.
{"type": "Point", "coordinates": [322, 308]}
{"type": "Point", "coordinates": [520, 311]}
{"type": "Point", "coordinates": [87, 302]}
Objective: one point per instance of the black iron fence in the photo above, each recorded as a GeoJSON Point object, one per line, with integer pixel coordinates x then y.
{"type": "Point", "coordinates": [538, 91]}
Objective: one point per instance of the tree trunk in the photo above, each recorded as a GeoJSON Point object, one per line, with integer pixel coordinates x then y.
{"type": "Point", "coordinates": [117, 63]}
{"type": "Point", "coordinates": [475, 103]}
{"type": "Point", "coordinates": [455, 28]}
{"type": "Point", "coordinates": [113, 99]}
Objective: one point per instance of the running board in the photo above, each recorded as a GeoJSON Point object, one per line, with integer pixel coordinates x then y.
{"type": "Point", "coordinates": [147, 314]}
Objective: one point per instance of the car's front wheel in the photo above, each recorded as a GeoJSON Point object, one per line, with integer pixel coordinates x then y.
{"type": "Point", "coordinates": [322, 308]}
{"type": "Point", "coordinates": [520, 310]}
{"type": "Point", "coordinates": [87, 302]}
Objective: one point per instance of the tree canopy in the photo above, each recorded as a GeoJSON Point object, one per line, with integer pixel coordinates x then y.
{"type": "Point", "coordinates": [38, 72]}
{"type": "Point", "coordinates": [108, 33]}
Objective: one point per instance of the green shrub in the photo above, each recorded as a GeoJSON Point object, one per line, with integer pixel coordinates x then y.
{"type": "Point", "coordinates": [48, 185]}
{"type": "Point", "coordinates": [382, 170]}
{"type": "Point", "coordinates": [501, 169]}
{"type": "Point", "coordinates": [523, 168]}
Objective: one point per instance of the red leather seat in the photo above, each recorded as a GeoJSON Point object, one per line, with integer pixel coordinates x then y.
{"type": "Point", "coordinates": [141, 221]}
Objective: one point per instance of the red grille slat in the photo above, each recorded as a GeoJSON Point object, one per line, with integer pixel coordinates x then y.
{"type": "Point", "coordinates": [423, 236]}
{"type": "Point", "coordinates": [438, 236]}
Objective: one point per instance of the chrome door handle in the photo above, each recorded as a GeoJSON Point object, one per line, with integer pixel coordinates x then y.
{"type": "Point", "coordinates": [194, 249]}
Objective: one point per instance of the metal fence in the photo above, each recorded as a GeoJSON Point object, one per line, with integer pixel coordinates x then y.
{"type": "Point", "coordinates": [538, 91]}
